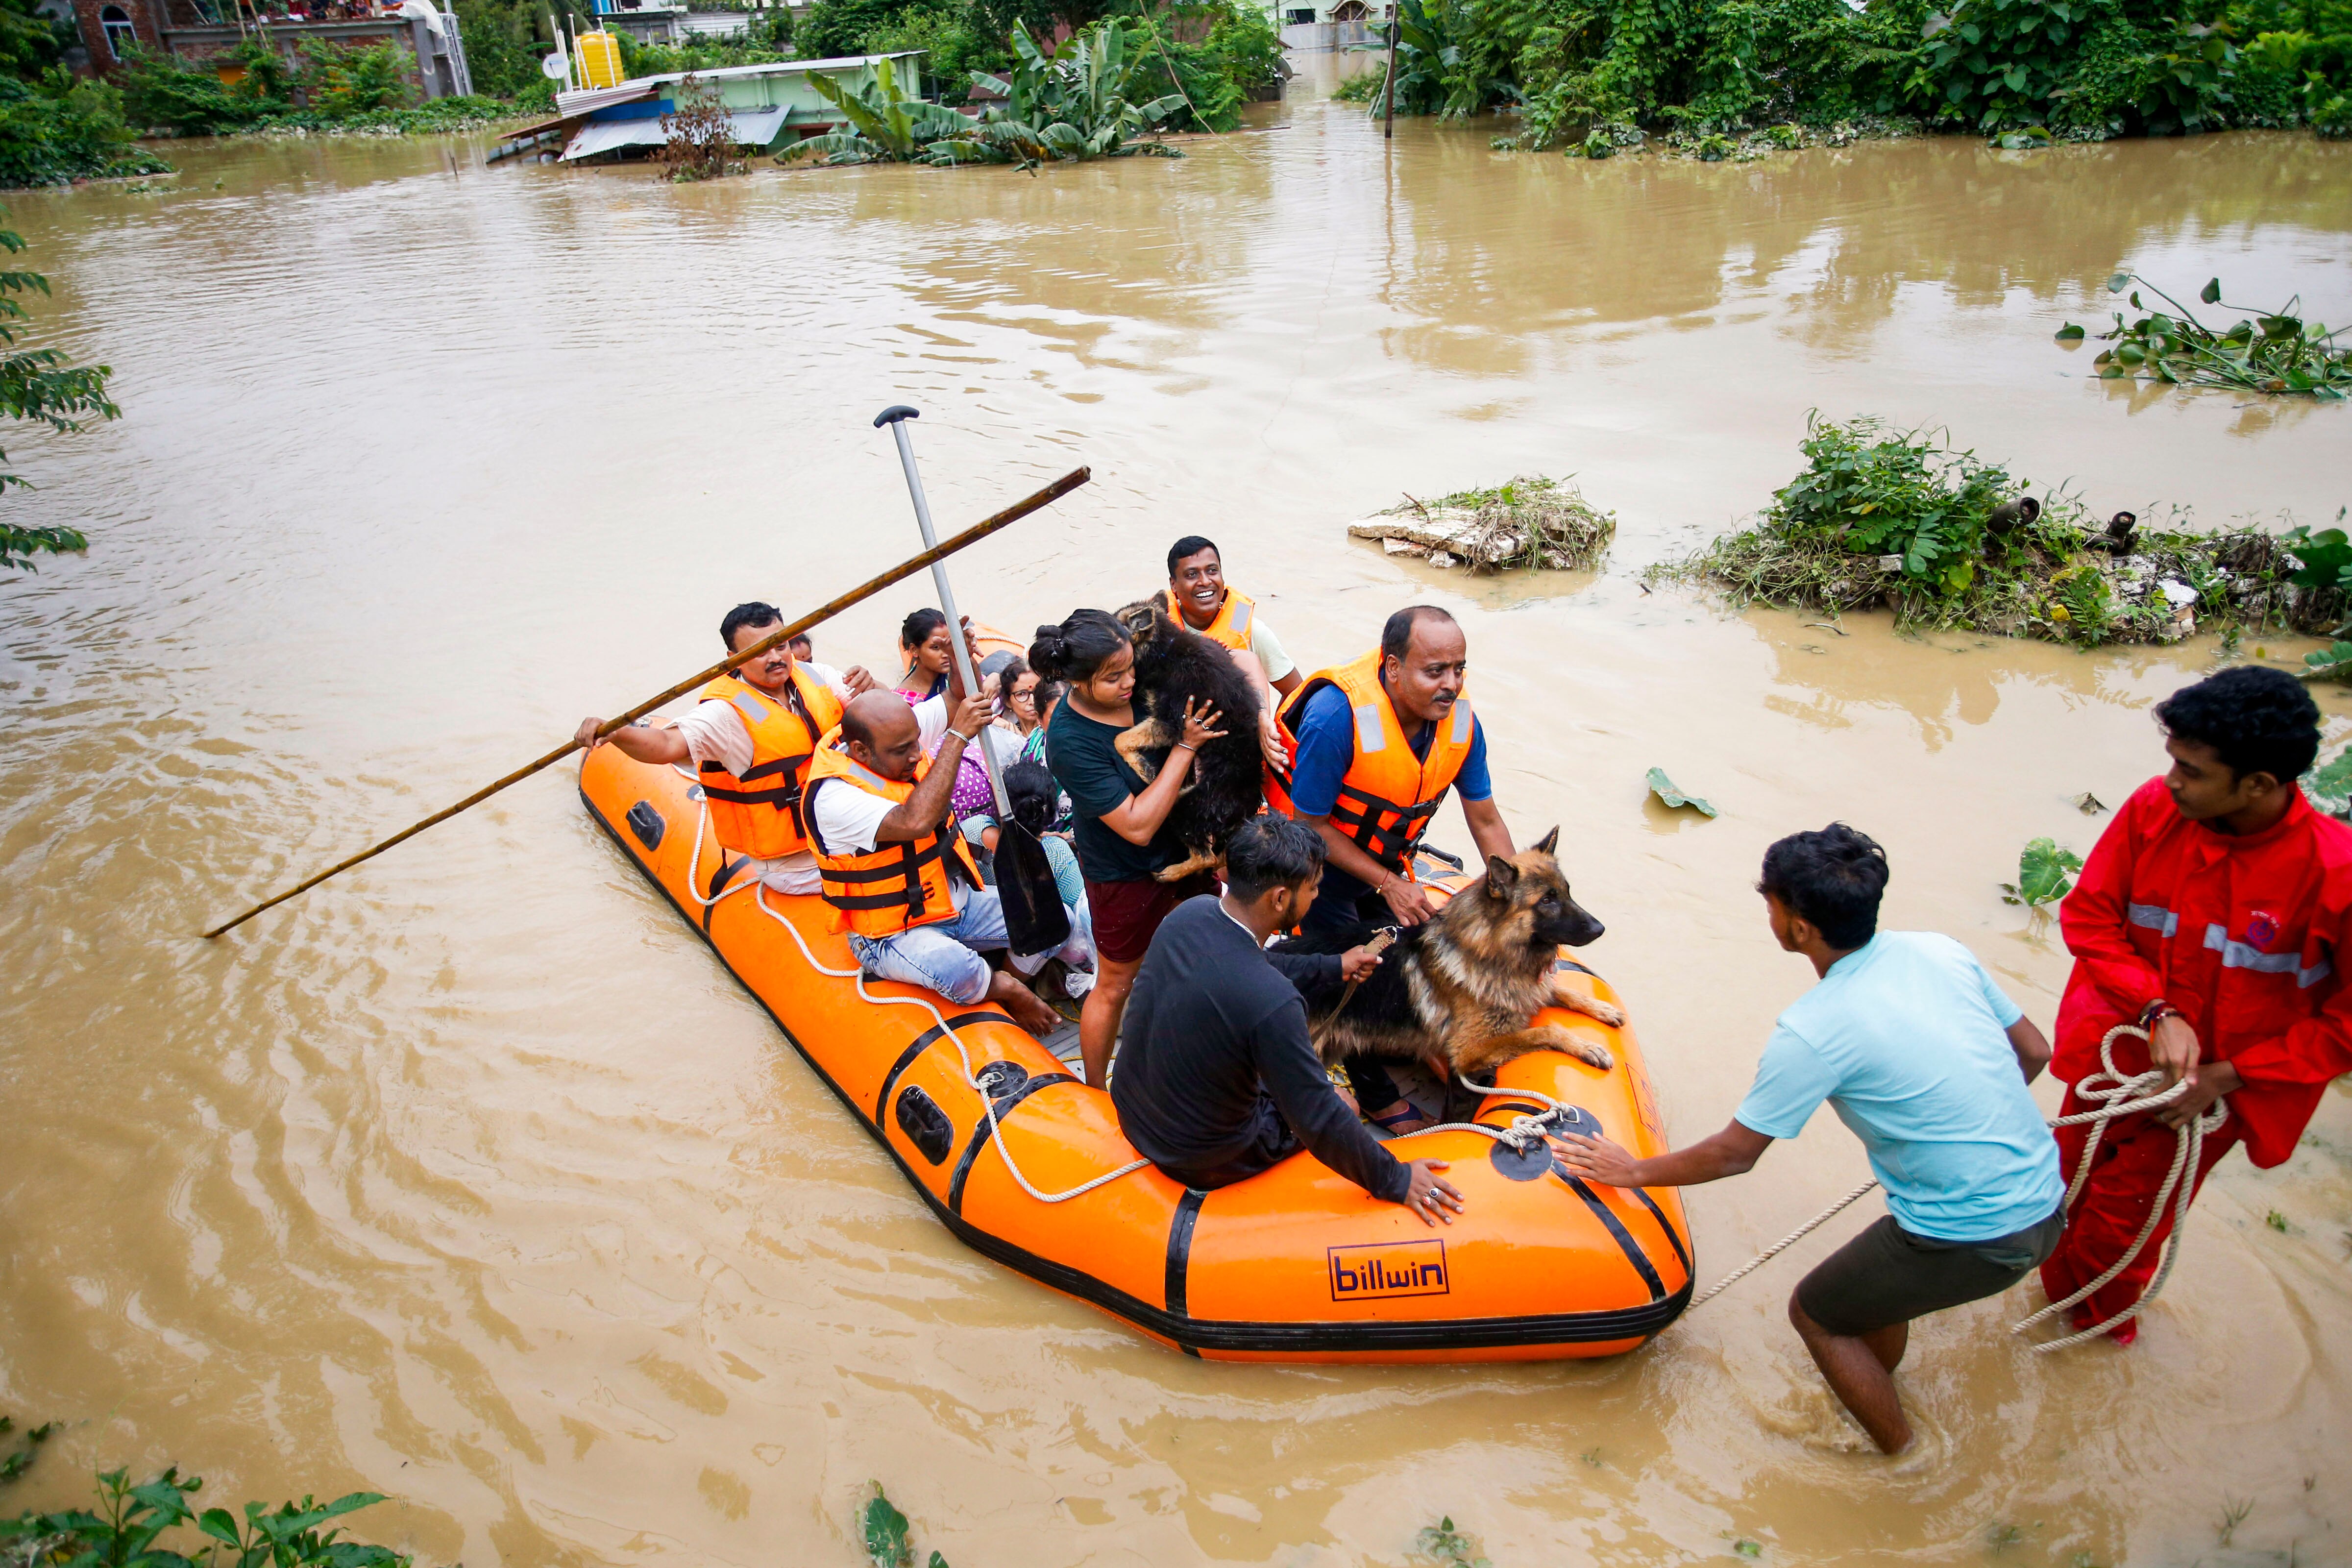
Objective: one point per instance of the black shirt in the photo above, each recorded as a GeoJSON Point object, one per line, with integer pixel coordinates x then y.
{"type": "Point", "coordinates": [1079, 753]}
{"type": "Point", "coordinates": [1215, 1044]}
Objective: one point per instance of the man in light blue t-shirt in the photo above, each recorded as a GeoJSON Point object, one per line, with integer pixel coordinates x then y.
{"type": "Point", "coordinates": [1926, 1059]}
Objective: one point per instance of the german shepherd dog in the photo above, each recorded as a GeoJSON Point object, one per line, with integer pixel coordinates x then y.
{"type": "Point", "coordinates": [1227, 786]}
{"type": "Point", "coordinates": [1457, 991]}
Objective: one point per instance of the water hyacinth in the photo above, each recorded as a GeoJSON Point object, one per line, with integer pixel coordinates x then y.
{"type": "Point", "coordinates": [2275, 352]}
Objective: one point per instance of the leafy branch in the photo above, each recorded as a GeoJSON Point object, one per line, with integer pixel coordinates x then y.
{"type": "Point", "coordinates": [44, 386]}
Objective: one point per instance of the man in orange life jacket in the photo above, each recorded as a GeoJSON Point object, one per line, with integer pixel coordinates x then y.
{"type": "Point", "coordinates": [902, 879]}
{"type": "Point", "coordinates": [1198, 597]}
{"type": "Point", "coordinates": [1380, 740]}
{"type": "Point", "coordinates": [750, 738]}
{"type": "Point", "coordinates": [2214, 913]}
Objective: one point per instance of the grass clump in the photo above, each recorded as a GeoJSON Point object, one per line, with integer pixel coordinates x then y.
{"type": "Point", "coordinates": [1948, 541]}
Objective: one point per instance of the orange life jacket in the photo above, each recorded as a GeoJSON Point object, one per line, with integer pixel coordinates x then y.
{"type": "Point", "coordinates": [760, 814]}
{"type": "Point", "coordinates": [1387, 795]}
{"type": "Point", "coordinates": [894, 886]}
{"type": "Point", "coordinates": [1231, 626]}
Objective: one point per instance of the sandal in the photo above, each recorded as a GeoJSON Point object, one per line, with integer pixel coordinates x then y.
{"type": "Point", "coordinates": [1393, 1123]}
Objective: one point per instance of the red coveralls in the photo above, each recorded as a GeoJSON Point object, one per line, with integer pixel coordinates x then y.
{"type": "Point", "coordinates": [2245, 935]}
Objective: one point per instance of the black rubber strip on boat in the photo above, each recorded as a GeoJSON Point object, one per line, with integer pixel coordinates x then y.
{"type": "Point", "coordinates": [1572, 963]}
{"type": "Point", "coordinates": [915, 1047]}
{"type": "Point", "coordinates": [1180, 1251]}
{"type": "Point", "coordinates": [1672, 1240]}
{"type": "Point", "coordinates": [980, 1139]}
{"type": "Point", "coordinates": [1632, 1249]}
{"type": "Point", "coordinates": [1196, 1335]}
{"type": "Point", "coordinates": [717, 881]}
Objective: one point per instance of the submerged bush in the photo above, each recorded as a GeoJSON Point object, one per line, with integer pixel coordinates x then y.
{"type": "Point", "coordinates": [1948, 541]}
{"type": "Point", "coordinates": [2084, 69]}
{"type": "Point", "coordinates": [64, 127]}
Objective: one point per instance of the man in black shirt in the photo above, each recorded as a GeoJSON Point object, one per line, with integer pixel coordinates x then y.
{"type": "Point", "coordinates": [1217, 1077]}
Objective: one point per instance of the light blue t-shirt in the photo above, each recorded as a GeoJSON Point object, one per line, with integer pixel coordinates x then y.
{"type": "Point", "coordinates": [1905, 1036]}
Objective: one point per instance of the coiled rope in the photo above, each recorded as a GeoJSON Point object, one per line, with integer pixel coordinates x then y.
{"type": "Point", "coordinates": [2118, 1095]}
{"type": "Point", "coordinates": [2115, 1092]}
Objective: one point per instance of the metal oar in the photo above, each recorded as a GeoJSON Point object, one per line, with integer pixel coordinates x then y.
{"type": "Point", "coordinates": [1034, 919]}
{"type": "Point", "coordinates": [931, 557]}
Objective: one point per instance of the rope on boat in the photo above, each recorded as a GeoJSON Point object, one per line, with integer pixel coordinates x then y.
{"type": "Point", "coordinates": [2118, 1096]}
{"type": "Point", "coordinates": [987, 1100]}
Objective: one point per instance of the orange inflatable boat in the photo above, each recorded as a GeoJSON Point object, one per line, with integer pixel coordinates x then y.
{"type": "Point", "coordinates": [1295, 1263]}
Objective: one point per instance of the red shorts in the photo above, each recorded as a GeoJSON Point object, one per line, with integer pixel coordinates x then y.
{"type": "Point", "coordinates": [1126, 913]}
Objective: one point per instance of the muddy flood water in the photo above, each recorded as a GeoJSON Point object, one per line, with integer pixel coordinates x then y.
{"type": "Point", "coordinates": [473, 1179]}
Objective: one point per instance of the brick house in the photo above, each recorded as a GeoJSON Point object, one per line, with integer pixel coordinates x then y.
{"type": "Point", "coordinates": [202, 29]}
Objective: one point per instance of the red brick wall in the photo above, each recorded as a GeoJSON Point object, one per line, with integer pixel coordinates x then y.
{"type": "Point", "coordinates": [88, 15]}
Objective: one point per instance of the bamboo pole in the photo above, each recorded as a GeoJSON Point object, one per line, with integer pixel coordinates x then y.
{"type": "Point", "coordinates": [866, 590]}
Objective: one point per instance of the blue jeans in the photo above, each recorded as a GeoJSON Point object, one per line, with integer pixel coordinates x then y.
{"type": "Point", "coordinates": [945, 954]}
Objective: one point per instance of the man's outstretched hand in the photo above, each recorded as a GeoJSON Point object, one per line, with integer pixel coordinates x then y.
{"type": "Point", "coordinates": [1595, 1159]}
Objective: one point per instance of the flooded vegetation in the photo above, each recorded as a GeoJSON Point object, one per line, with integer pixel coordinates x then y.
{"type": "Point", "coordinates": [471, 1180]}
{"type": "Point", "coordinates": [1948, 541]}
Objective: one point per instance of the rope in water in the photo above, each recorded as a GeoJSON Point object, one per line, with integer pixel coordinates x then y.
{"type": "Point", "coordinates": [2118, 1095]}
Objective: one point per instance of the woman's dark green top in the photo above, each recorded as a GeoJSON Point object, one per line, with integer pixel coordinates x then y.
{"type": "Point", "coordinates": [1079, 753]}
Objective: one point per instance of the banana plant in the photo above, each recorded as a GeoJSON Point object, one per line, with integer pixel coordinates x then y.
{"type": "Point", "coordinates": [886, 126]}
{"type": "Point", "coordinates": [1070, 107]}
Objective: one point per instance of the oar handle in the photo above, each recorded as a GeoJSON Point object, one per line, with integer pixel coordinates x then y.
{"type": "Point", "coordinates": [905, 569]}
{"type": "Point", "coordinates": [896, 416]}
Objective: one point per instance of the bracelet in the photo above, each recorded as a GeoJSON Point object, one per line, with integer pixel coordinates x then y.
{"type": "Point", "coordinates": [2156, 1011]}
{"type": "Point", "coordinates": [1184, 746]}
{"type": "Point", "coordinates": [959, 736]}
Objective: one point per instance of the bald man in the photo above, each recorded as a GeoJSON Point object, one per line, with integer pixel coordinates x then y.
{"type": "Point", "coordinates": [900, 878]}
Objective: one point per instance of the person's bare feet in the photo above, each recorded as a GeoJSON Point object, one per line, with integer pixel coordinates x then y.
{"type": "Point", "coordinates": [1008, 992]}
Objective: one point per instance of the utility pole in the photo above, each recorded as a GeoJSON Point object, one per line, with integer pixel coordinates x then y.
{"type": "Point", "coordinates": [1388, 93]}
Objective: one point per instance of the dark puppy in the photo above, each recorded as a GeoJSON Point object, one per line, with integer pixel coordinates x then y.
{"type": "Point", "coordinates": [1227, 786]}
{"type": "Point", "coordinates": [1458, 991]}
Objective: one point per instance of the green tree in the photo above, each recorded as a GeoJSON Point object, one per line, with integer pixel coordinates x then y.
{"type": "Point", "coordinates": [39, 384]}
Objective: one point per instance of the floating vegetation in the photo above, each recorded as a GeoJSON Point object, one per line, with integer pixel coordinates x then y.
{"type": "Point", "coordinates": [2328, 787]}
{"type": "Point", "coordinates": [1530, 521]}
{"type": "Point", "coordinates": [127, 1520]}
{"type": "Point", "coordinates": [890, 1541]}
{"type": "Point", "coordinates": [1664, 789]}
{"type": "Point", "coordinates": [2045, 873]}
{"type": "Point", "coordinates": [1950, 541]}
{"type": "Point", "coordinates": [2272, 352]}
{"type": "Point", "coordinates": [1447, 1547]}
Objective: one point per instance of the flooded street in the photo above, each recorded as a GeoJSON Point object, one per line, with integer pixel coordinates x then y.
{"type": "Point", "coordinates": [472, 1178]}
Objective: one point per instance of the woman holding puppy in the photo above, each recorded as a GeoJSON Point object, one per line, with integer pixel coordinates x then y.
{"type": "Point", "coordinates": [1120, 820]}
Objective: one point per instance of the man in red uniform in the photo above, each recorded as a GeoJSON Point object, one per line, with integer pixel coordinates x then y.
{"type": "Point", "coordinates": [2214, 913]}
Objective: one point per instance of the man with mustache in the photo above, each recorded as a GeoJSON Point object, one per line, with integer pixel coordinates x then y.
{"type": "Point", "coordinates": [1380, 740]}
{"type": "Point", "coordinates": [750, 738]}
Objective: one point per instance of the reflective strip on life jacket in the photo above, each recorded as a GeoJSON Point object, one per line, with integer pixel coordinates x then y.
{"type": "Point", "coordinates": [2240, 955]}
{"type": "Point", "coordinates": [2156, 918]}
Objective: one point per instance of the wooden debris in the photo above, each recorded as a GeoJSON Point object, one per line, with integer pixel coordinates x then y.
{"type": "Point", "coordinates": [1530, 521]}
